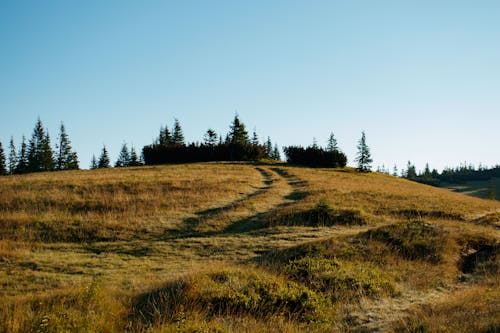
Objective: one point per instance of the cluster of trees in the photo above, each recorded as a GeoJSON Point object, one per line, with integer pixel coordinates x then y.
{"type": "Point", "coordinates": [37, 154]}
{"type": "Point", "coordinates": [237, 145]}
{"type": "Point", "coordinates": [126, 158]}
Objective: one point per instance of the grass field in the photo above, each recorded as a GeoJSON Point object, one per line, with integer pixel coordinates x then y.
{"type": "Point", "coordinates": [230, 247]}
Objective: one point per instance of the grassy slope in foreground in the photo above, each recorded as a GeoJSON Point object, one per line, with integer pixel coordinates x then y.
{"type": "Point", "coordinates": [121, 241]}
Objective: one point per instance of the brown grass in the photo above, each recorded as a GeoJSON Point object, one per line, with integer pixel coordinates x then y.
{"type": "Point", "coordinates": [79, 249]}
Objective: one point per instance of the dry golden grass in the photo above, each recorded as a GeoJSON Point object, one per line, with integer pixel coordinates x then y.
{"type": "Point", "coordinates": [78, 249]}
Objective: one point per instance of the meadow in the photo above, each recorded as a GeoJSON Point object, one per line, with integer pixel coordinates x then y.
{"type": "Point", "coordinates": [236, 247]}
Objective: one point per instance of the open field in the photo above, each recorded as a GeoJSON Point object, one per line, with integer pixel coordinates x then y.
{"type": "Point", "coordinates": [242, 247]}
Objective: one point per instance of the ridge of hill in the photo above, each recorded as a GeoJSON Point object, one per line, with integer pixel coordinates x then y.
{"type": "Point", "coordinates": [239, 247]}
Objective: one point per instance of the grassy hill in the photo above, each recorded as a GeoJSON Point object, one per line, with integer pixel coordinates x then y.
{"type": "Point", "coordinates": [240, 247]}
{"type": "Point", "coordinates": [477, 188]}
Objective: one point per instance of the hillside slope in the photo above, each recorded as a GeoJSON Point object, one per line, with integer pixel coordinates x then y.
{"type": "Point", "coordinates": [239, 247]}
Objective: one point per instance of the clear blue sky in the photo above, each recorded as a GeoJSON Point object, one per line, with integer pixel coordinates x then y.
{"type": "Point", "coordinates": [422, 78]}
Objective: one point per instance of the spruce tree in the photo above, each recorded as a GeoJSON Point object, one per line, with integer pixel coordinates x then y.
{"type": "Point", "coordinates": [364, 157]}
{"type": "Point", "coordinates": [103, 159]}
{"type": "Point", "coordinates": [3, 164]}
{"type": "Point", "coordinates": [332, 143]}
{"type": "Point", "coordinates": [123, 158]}
{"type": "Point", "coordinates": [12, 156]}
{"type": "Point", "coordinates": [47, 155]}
{"type": "Point", "coordinates": [269, 148]}
{"type": "Point", "coordinates": [93, 163]}
{"type": "Point", "coordinates": [276, 153]}
{"type": "Point", "coordinates": [40, 155]}
{"type": "Point", "coordinates": [22, 158]}
{"type": "Point", "coordinates": [255, 138]}
{"type": "Point", "coordinates": [165, 137]}
{"type": "Point", "coordinates": [134, 159]}
{"type": "Point", "coordinates": [210, 138]}
{"type": "Point", "coordinates": [177, 135]}
{"type": "Point", "coordinates": [66, 159]}
{"type": "Point", "coordinates": [237, 132]}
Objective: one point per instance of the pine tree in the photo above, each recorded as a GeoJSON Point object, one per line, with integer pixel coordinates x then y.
{"type": "Point", "coordinates": [134, 159]}
{"type": "Point", "coordinates": [315, 144]}
{"type": "Point", "coordinates": [165, 137]}
{"type": "Point", "coordinates": [237, 132]}
{"type": "Point", "coordinates": [210, 138]}
{"type": "Point", "coordinates": [3, 164]}
{"type": "Point", "coordinates": [66, 159]}
{"type": "Point", "coordinates": [12, 156]}
{"type": "Point", "coordinates": [177, 135]}
{"type": "Point", "coordinates": [269, 148]}
{"type": "Point", "coordinates": [427, 172]}
{"type": "Point", "coordinates": [22, 158]}
{"type": "Point", "coordinates": [123, 158]}
{"type": "Point", "coordinates": [255, 138]}
{"type": "Point", "coordinates": [276, 153]}
{"type": "Point", "coordinates": [40, 155]}
{"type": "Point", "coordinates": [395, 171]}
{"type": "Point", "coordinates": [332, 143]}
{"type": "Point", "coordinates": [103, 159]}
{"type": "Point", "coordinates": [93, 163]}
{"type": "Point", "coordinates": [411, 171]}
{"type": "Point", "coordinates": [364, 157]}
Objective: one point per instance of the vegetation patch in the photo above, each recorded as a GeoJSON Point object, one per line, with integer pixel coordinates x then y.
{"type": "Point", "coordinates": [433, 214]}
{"type": "Point", "coordinates": [413, 240]}
{"type": "Point", "coordinates": [489, 219]}
{"type": "Point", "coordinates": [322, 215]}
{"type": "Point", "coordinates": [480, 256]}
{"type": "Point", "coordinates": [232, 292]}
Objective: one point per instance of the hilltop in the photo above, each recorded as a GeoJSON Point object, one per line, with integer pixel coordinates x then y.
{"type": "Point", "coordinates": [243, 246]}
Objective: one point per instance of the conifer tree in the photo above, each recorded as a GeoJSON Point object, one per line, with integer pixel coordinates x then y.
{"type": "Point", "coordinates": [103, 159]}
{"type": "Point", "coordinates": [123, 158]}
{"type": "Point", "coordinates": [255, 138]}
{"type": "Point", "coordinates": [40, 155]}
{"type": "Point", "coordinates": [134, 159]}
{"type": "Point", "coordinates": [363, 158]}
{"type": "Point", "coordinates": [395, 170]}
{"type": "Point", "coordinates": [276, 153]}
{"type": "Point", "coordinates": [210, 138]}
{"type": "Point", "coordinates": [269, 148]}
{"type": "Point", "coordinates": [66, 159]}
{"type": "Point", "coordinates": [93, 163]}
{"type": "Point", "coordinates": [22, 158]}
{"type": "Point", "coordinates": [177, 135]}
{"type": "Point", "coordinates": [12, 156]}
{"type": "Point", "coordinates": [3, 164]}
{"type": "Point", "coordinates": [315, 144]}
{"type": "Point", "coordinates": [237, 132]}
{"type": "Point", "coordinates": [332, 143]}
{"type": "Point", "coordinates": [47, 155]}
{"type": "Point", "coordinates": [165, 137]}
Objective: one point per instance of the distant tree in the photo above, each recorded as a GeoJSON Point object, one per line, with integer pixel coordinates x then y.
{"type": "Point", "coordinates": [12, 156]}
{"type": "Point", "coordinates": [395, 170]}
{"type": "Point", "coordinates": [237, 132]}
{"type": "Point", "coordinates": [22, 158]}
{"type": "Point", "coordinates": [66, 159]}
{"type": "Point", "coordinates": [269, 148]}
{"type": "Point", "coordinates": [315, 144]}
{"type": "Point", "coordinates": [177, 135]}
{"type": "Point", "coordinates": [411, 171]}
{"type": "Point", "coordinates": [165, 137]}
{"type": "Point", "coordinates": [103, 161]}
{"type": "Point", "coordinates": [124, 157]}
{"type": "Point", "coordinates": [210, 138]}
{"type": "Point", "coordinates": [3, 164]}
{"type": "Point", "coordinates": [427, 172]}
{"type": "Point", "coordinates": [93, 163]}
{"type": "Point", "coordinates": [363, 157]}
{"type": "Point", "coordinates": [255, 138]}
{"type": "Point", "coordinates": [276, 153]}
{"type": "Point", "coordinates": [134, 159]}
{"type": "Point", "coordinates": [332, 143]}
{"type": "Point", "coordinates": [40, 155]}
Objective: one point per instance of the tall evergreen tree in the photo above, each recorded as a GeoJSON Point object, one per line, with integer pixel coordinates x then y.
{"type": "Point", "coordinates": [363, 158]}
{"type": "Point", "coordinates": [165, 137]}
{"type": "Point", "coordinates": [411, 171]}
{"type": "Point", "coordinates": [255, 138]}
{"type": "Point", "coordinates": [66, 159]}
{"type": "Point", "coordinates": [123, 158]}
{"type": "Point", "coordinates": [134, 159]}
{"type": "Point", "coordinates": [40, 155]}
{"type": "Point", "coordinates": [332, 143]}
{"type": "Point", "coordinates": [210, 138]}
{"type": "Point", "coordinates": [395, 170]}
{"type": "Point", "coordinates": [237, 132]}
{"type": "Point", "coordinates": [269, 148]}
{"type": "Point", "coordinates": [12, 156]}
{"type": "Point", "coordinates": [276, 153]}
{"type": "Point", "coordinates": [177, 134]}
{"type": "Point", "coordinates": [22, 158]}
{"type": "Point", "coordinates": [93, 163]}
{"type": "Point", "coordinates": [3, 164]}
{"type": "Point", "coordinates": [103, 161]}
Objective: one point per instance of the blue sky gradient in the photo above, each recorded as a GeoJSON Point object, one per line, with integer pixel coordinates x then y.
{"type": "Point", "coordinates": [422, 78]}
